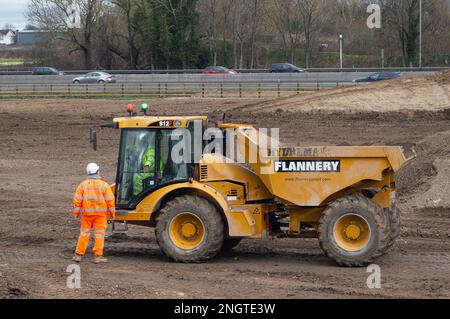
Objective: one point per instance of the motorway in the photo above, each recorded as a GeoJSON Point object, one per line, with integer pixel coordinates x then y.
{"type": "Point", "coordinates": [166, 84]}
{"type": "Point", "coordinates": [314, 77]}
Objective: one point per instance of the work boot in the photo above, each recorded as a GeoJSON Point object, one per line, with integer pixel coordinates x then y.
{"type": "Point", "coordinates": [100, 259]}
{"type": "Point", "coordinates": [77, 258]}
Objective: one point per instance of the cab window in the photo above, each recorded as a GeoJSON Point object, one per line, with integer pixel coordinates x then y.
{"type": "Point", "coordinates": [146, 163]}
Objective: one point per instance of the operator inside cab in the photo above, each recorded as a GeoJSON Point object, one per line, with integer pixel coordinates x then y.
{"type": "Point", "coordinates": [146, 176]}
{"type": "Point", "coordinates": [146, 163]}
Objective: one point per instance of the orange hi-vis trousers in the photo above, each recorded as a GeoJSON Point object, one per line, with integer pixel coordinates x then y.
{"type": "Point", "coordinates": [98, 224]}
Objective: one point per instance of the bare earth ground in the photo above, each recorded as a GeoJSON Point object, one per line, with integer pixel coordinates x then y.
{"type": "Point", "coordinates": [44, 149]}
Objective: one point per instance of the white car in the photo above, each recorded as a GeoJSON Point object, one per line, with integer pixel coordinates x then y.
{"type": "Point", "coordinates": [95, 77]}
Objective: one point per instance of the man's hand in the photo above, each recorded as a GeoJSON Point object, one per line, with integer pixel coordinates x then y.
{"type": "Point", "coordinates": [77, 217]}
{"type": "Point", "coordinates": [110, 218]}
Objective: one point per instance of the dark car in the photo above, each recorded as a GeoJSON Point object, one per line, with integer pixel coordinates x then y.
{"type": "Point", "coordinates": [218, 70]}
{"type": "Point", "coordinates": [381, 76]}
{"type": "Point", "coordinates": [285, 68]}
{"type": "Point", "coordinates": [46, 71]}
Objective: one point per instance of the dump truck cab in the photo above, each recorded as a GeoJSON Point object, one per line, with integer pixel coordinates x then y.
{"type": "Point", "coordinates": [201, 201]}
{"type": "Point", "coordinates": [145, 161]}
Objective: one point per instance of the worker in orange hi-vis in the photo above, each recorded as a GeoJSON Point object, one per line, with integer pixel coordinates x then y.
{"type": "Point", "coordinates": [94, 203]}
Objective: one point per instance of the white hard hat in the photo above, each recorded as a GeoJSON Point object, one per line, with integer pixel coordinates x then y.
{"type": "Point", "coordinates": [92, 168]}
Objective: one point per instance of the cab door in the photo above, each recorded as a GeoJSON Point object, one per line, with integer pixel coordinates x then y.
{"type": "Point", "coordinates": [146, 164]}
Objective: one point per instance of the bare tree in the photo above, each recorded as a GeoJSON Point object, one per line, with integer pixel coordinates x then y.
{"type": "Point", "coordinates": [285, 20]}
{"type": "Point", "coordinates": [311, 13]}
{"type": "Point", "coordinates": [253, 7]}
{"type": "Point", "coordinates": [210, 10]}
{"type": "Point", "coordinates": [56, 17]}
{"type": "Point", "coordinates": [404, 17]}
{"type": "Point", "coordinates": [127, 8]}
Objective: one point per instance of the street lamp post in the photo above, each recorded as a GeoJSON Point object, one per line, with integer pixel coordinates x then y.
{"type": "Point", "coordinates": [420, 32]}
{"type": "Point", "coordinates": [341, 45]}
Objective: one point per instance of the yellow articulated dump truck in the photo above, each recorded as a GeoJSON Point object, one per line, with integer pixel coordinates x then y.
{"type": "Point", "coordinates": [344, 196]}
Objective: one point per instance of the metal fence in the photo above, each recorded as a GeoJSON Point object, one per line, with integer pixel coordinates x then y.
{"type": "Point", "coordinates": [163, 90]}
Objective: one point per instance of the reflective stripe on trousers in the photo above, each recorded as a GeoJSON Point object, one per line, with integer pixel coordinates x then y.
{"type": "Point", "coordinates": [98, 224]}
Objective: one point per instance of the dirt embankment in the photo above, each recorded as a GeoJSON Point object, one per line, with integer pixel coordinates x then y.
{"type": "Point", "coordinates": [420, 93]}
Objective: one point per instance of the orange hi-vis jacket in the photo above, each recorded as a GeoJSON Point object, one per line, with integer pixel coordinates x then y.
{"type": "Point", "coordinates": [94, 197]}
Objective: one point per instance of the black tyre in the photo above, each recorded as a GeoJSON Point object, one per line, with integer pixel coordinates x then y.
{"type": "Point", "coordinates": [353, 231]}
{"type": "Point", "coordinates": [100, 82]}
{"type": "Point", "coordinates": [229, 244]}
{"type": "Point", "coordinates": [190, 229]}
{"type": "Point", "coordinates": [393, 214]}
{"type": "Point", "coordinates": [76, 82]}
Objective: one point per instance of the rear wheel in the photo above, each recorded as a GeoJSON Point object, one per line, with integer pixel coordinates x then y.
{"type": "Point", "coordinates": [190, 229]}
{"type": "Point", "coordinates": [76, 82]}
{"type": "Point", "coordinates": [393, 214]}
{"type": "Point", "coordinates": [353, 231]}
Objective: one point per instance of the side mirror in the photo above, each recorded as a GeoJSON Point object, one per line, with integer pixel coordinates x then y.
{"type": "Point", "coordinates": [93, 139]}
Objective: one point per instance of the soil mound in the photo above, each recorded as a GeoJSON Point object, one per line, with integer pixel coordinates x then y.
{"type": "Point", "coordinates": [418, 93]}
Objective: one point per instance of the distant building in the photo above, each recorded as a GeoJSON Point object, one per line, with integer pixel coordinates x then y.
{"type": "Point", "coordinates": [28, 37]}
{"type": "Point", "coordinates": [7, 36]}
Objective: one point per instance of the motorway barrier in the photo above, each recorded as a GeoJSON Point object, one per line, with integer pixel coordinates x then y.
{"type": "Point", "coordinates": [164, 89]}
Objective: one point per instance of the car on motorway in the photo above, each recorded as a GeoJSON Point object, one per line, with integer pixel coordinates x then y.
{"type": "Point", "coordinates": [218, 70]}
{"type": "Point", "coordinates": [46, 71]}
{"type": "Point", "coordinates": [95, 77]}
{"type": "Point", "coordinates": [380, 76]}
{"type": "Point", "coordinates": [285, 68]}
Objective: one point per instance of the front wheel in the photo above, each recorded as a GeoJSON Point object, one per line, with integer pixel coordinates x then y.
{"type": "Point", "coordinates": [353, 231]}
{"type": "Point", "coordinates": [190, 229]}
{"type": "Point", "coordinates": [76, 82]}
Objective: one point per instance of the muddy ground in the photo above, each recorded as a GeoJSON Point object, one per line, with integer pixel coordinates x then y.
{"type": "Point", "coordinates": [44, 148]}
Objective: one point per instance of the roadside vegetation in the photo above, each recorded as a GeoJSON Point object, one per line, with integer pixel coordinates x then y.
{"type": "Point", "coordinates": [238, 34]}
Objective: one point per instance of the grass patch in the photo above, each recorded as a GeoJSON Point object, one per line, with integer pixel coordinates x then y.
{"type": "Point", "coordinates": [11, 61]}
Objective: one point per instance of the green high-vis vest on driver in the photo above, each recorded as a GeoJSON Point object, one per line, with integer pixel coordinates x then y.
{"type": "Point", "coordinates": [148, 170]}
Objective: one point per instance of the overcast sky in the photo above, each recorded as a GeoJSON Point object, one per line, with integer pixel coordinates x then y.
{"type": "Point", "coordinates": [12, 12]}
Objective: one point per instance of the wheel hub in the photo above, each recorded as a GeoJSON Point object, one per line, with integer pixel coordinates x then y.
{"type": "Point", "coordinates": [186, 231]}
{"type": "Point", "coordinates": [189, 230]}
{"type": "Point", "coordinates": [352, 232]}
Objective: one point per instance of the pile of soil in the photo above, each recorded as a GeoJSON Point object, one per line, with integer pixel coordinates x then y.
{"type": "Point", "coordinates": [442, 78]}
{"type": "Point", "coordinates": [416, 176]}
{"type": "Point", "coordinates": [418, 93]}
